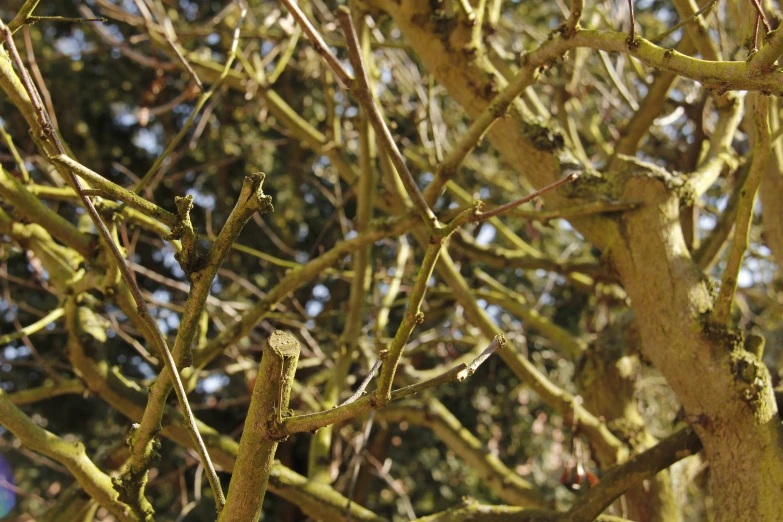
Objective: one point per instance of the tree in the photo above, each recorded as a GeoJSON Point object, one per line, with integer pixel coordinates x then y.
{"type": "Point", "coordinates": [384, 152]}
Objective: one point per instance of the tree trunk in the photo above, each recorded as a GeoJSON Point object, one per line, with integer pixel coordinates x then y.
{"type": "Point", "coordinates": [725, 391]}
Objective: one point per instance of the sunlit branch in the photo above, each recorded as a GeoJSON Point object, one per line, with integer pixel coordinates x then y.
{"type": "Point", "coordinates": [25, 12]}
{"type": "Point", "coordinates": [73, 456]}
{"type": "Point", "coordinates": [761, 152]}
{"type": "Point", "coordinates": [201, 273]}
{"type": "Point", "coordinates": [117, 192]}
{"type": "Point", "coordinates": [256, 448]}
{"type": "Point", "coordinates": [314, 421]}
{"type": "Point", "coordinates": [47, 133]}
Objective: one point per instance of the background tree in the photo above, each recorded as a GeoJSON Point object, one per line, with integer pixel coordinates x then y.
{"type": "Point", "coordinates": [633, 311]}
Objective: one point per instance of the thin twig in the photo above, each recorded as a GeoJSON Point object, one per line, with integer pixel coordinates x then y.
{"type": "Point", "coordinates": [705, 8]}
{"type": "Point", "coordinates": [632, 31]}
{"type": "Point", "coordinates": [754, 41]}
{"type": "Point", "coordinates": [508, 206]}
{"type": "Point", "coordinates": [357, 464]}
{"type": "Point", "coordinates": [15, 153]}
{"type": "Point", "coordinates": [314, 421]}
{"type": "Point", "coordinates": [196, 110]}
{"type": "Point", "coordinates": [168, 33]}
{"type": "Point", "coordinates": [47, 96]}
{"type": "Point", "coordinates": [363, 386]}
{"type": "Point", "coordinates": [760, 13]}
{"type": "Point", "coordinates": [318, 43]}
{"type": "Point", "coordinates": [66, 19]}
{"type": "Point", "coordinates": [363, 91]}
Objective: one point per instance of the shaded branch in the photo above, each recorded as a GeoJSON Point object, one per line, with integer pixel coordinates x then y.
{"type": "Point", "coordinates": [505, 482]}
{"type": "Point", "coordinates": [48, 390]}
{"type": "Point", "coordinates": [499, 257]}
{"type": "Point", "coordinates": [32, 328]}
{"type": "Point", "coordinates": [710, 248]}
{"type": "Point", "coordinates": [641, 467]}
{"type": "Point", "coordinates": [470, 511]}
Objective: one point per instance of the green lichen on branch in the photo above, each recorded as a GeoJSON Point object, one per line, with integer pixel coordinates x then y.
{"type": "Point", "coordinates": [189, 258]}
{"type": "Point", "coordinates": [752, 382]}
{"type": "Point", "coordinates": [729, 339]}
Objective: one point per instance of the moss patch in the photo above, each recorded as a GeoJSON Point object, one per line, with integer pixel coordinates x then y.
{"type": "Point", "coordinates": [720, 335]}
{"type": "Point", "coordinates": [751, 380]}
{"type": "Point", "coordinates": [543, 136]}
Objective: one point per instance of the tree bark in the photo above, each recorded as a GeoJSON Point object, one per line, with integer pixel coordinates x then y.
{"type": "Point", "coordinates": [725, 391]}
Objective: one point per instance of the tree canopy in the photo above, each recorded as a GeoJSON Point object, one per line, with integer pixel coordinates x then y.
{"type": "Point", "coordinates": [390, 260]}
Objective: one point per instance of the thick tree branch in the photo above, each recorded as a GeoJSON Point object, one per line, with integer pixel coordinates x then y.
{"type": "Point", "coordinates": [643, 466]}
{"type": "Point", "coordinates": [256, 448]}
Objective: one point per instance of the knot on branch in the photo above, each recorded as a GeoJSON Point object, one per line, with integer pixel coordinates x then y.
{"type": "Point", "coordinates": [568, 29]}
{"type": "Point", "coordinates": [752, 380]}
{"type": "Point", "coordinates": [130, 490]}
{"type": "Point", "coordinates": [253, 194]}
{"type": "Point", "coordinates": [721, 335]}
{"type": "Point", "coordinates": [544, 136]}
{"type": "Point", "coordinates": [189, 258]}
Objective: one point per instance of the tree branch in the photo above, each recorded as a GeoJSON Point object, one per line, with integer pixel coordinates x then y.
{"type": "Point", "coordinates": [314, 421]}
{"type": "Point", "coordinates": [257, 448]}
{"type": "Point", "coordinates": [48, 134]}
{"type": "Point", "coordinates": [761, 152]}
{"type": "Point", "coordinates": [73, 456]}
{"type": "Point", "coordinates": [641, 467]}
